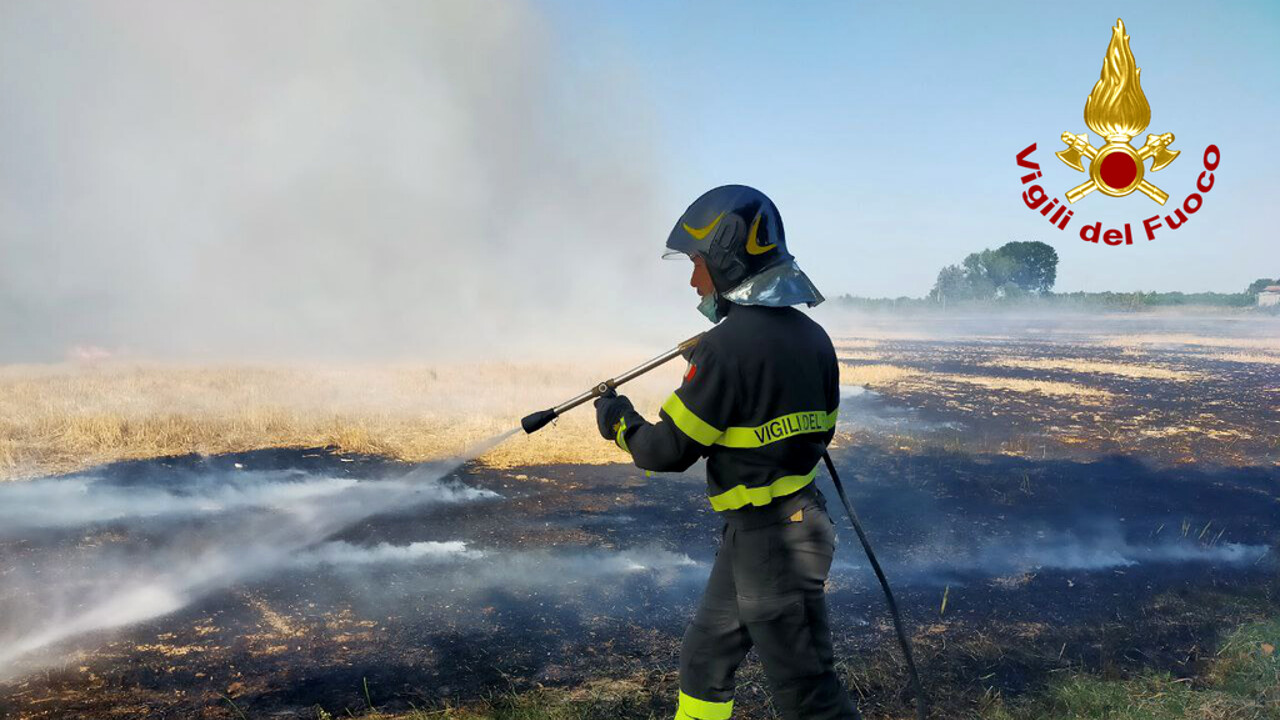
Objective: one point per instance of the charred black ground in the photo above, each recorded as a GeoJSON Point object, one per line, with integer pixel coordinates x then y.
{"type": "Point", "coordinates": [1108, 556]}
{"type": "Point", "coordinates": [940, 520]}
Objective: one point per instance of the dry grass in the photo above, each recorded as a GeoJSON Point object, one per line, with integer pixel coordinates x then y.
{"type": "Point", "coordinates": [884, 375]}
{"type": "Point", "coordinates": [862, 356]}
{"type": "Point", "coordinates": [63, 418]}
{"type": "Point", "coordinates": [1093, 366]}
{"type": "Point", "coordinates": [875, 375]}
{"type": "Point", "coordinates": [1167, 339]}
{"type": "Point", "coordinates": [1044, 387]}
{"type": "Point", "coordinates": [855, 343]}
{"type": "Point", "coordinates": [1255, 358]}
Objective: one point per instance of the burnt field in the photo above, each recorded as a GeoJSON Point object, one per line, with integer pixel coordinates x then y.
{"type": "Point", "coordinates": [1040, 506]}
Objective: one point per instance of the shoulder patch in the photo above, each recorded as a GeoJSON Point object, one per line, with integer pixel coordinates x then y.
{"type": "Point", "coordinates": [688, 374]}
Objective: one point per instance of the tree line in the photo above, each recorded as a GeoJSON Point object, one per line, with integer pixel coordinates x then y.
{"type": "Point", "coordinates": [1020, 273]}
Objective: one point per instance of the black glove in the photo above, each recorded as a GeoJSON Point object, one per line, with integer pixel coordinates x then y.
{"type": "Point", "coordinates": [609, 410]}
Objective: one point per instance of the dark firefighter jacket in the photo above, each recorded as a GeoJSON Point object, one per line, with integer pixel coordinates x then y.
{"type": "Point", "coordinates": [759, 401]}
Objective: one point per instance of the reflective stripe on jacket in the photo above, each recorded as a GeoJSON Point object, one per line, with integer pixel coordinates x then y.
{"type": "Point", "coordinates": [759, 401]}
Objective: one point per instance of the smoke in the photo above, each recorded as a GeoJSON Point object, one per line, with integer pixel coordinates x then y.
{"type": "Point", "coordinates": [72, 502]}
{"type": "Point", "coordinates": [125, 607]}
{"type": "Point", "coordinates": [99, 554]}
{"type": "Point", "coordinates": [159, 561]}
{"type": "Point", "coordinates": [88, 554]}
{"type": "Point", "coordinates": [1095, 546]}
{"type": "Point", "coordinates": [453, 566]}
{"type": "Point", "coordinates": [302, 178]}
{"type": "Point", "coordinates": [446, 582]}
{"type": "Point", "coordinates": [583, 568]}
{"type": "Point", "coordinates": [866, 410]}
{"type": "Point", "coordinates": [344, 553]}
{"type": "Point", "coordinates": [1100, 551]}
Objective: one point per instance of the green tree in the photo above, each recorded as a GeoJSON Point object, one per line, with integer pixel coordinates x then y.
{"type": "Point", "coordinates": [1258, 285]}
{"type": "Point", "coordinates": [1034, 265]}
{"type": "Point", "coordinates": [951, 285]}
{"type": "Point", "coordinates": [1013, 270]}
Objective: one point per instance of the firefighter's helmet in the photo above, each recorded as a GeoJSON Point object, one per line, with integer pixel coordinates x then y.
{"type": "Point", "coordinates": [737, 231]}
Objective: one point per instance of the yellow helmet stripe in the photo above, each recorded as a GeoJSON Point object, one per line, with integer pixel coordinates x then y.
{"type": "Point", "coordinates": [741, 495]}
{"type": "Point", "coordinates": [753, 244]}
{"type": "Point", "coordinates": [701, 233]}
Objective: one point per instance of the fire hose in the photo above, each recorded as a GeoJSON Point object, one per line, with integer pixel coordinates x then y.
{"type": "Point", "coordinates": [536, 421]}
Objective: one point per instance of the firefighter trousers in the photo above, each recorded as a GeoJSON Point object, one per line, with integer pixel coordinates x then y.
{"type": "Point", "coordinates": [766, 591]}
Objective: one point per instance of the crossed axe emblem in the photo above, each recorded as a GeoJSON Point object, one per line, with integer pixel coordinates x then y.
{"type": "Point", "coordinates": [1116, 162]}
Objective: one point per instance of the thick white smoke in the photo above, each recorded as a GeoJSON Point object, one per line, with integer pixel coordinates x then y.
{"type": "Point", "coordinates": [316, 177]}
{"type": "Point", "coordinates": [1101, 546]}
{"type": "Point", "coordinates": [455, 566]}
{"type": "Point", "coordinates": [59, 595]}
{"type": "Point", "coordinates": [72, 502]}
{"type": "Point", "coordinates": [87, 555]}
{"type": "Point", "coordinates": [1068, 552]}
{"type": "Point", "coordinates": [101, 555]}
{"type": "Point", "coordinates": [344, 553]}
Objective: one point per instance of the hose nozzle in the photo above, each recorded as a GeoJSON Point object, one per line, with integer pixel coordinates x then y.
{"type": "Point", "coordinates": [534, 422]}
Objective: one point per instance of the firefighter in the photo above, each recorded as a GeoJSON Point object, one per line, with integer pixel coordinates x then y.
{"type": "Point", "coordinates": [759, 402]}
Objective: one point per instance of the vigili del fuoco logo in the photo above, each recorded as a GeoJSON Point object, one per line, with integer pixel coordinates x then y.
{"type": "Point", "coordinates": [1117, 110]}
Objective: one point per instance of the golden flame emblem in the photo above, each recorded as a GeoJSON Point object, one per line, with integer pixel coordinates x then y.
{"type": "Point", "coordinates": [1117, 110]}
{"type": "Point", "coordinates": [1117, 107]}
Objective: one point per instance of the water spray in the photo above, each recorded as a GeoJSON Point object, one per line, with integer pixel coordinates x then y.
{"type": "Point", "coordinates": [536, 421]}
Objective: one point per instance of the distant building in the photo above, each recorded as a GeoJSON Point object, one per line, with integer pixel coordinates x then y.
{"type": "Point", "coordinates": [1270, 296]}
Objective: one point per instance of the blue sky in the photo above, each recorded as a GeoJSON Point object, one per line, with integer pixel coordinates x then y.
{"type": "Point", "coordinates": [886, 132]}
{"type": "Point", "coordinates": [189, 176]}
